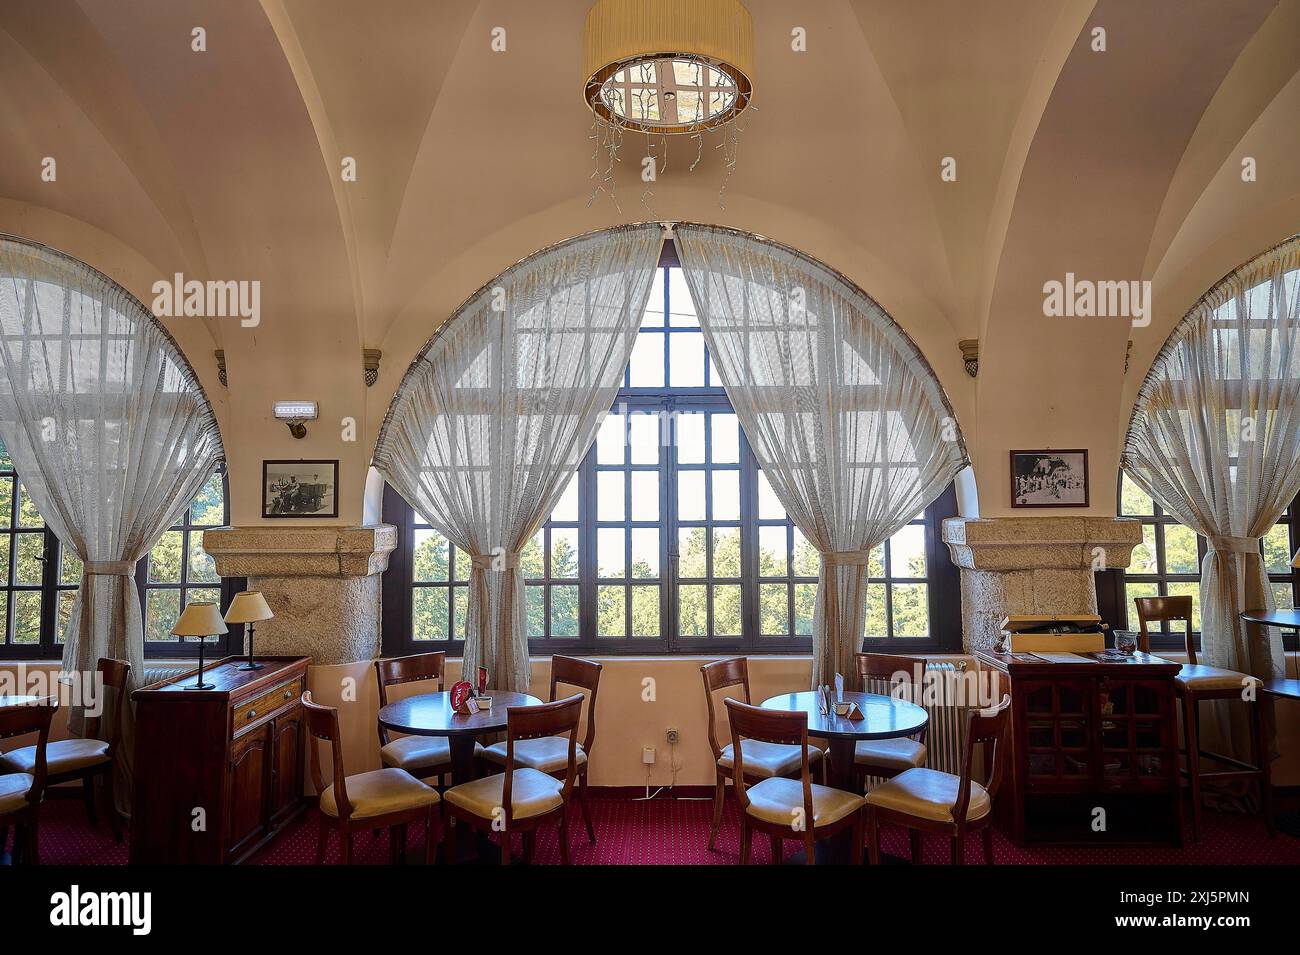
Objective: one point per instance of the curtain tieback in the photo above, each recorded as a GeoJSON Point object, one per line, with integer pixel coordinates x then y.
{"type": "Point", "coordinates": [110, 568]}
{"type": "Point", "coordinates": [835, 558]}
{"type": "Point", "coordinates": [1235, 545]}
{"type": "Point", "coordinates": [500, 561]}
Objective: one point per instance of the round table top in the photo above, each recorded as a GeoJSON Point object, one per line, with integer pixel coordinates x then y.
{"type": "Point", "coordinates": [1290, 619]}
{"type": "Point", "coordinates": [17, 700]}
{"type": "Point", "coordinates": [430, 714]}
{"type": "Point", "coordinates": [883, 717]}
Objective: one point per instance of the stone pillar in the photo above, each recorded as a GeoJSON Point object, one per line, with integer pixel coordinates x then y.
{"type": "Point", "coordinates": [1012, 565]}
{"type": "Point", "coordinates": [322, 584]}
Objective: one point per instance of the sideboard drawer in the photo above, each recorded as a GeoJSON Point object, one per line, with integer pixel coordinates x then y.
{"type": "Point", "coordinates": [249, 712]}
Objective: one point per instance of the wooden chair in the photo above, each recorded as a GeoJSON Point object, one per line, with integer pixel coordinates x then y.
{"type": "Point", "coordinates": [421, 756]}
{"type": "Point", "coordinates": [521, 799]}
{"type": "Point", "coordinates": [382, 798]}
{"type": "Point", "coordinates": [765, 759]}
{"type": "Point", "coordinates": [927, 800]}
{"type": "Point", "coordinates": [886, 758]}
{"type": "Point", "coordinates": [1195, 683]}
{"type": "Point", "coordinates": [88, 758]}
{"type": "Point", "coordinates": [786, 808]}
{"type": "Point", "coordinates": [547, 754]}
{"type": "Point", "coordinates": [21, 792]}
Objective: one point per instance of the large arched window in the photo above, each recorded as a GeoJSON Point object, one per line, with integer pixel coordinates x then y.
{"type": "Point", "coordinates": [669, 538]}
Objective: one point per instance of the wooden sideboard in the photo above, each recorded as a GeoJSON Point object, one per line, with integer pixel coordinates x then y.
{"type": "Point", "coordinates": [1090, 736]}
{"type": "Point", "coordinates": [234, 752]}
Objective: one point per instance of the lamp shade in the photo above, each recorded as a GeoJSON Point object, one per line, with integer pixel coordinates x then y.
{"type": "Point", "coordinates": [249, 606]}
{"type": "Point", "coordinates": [200, 620]}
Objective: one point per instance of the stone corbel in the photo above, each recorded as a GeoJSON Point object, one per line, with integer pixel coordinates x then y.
{"type": "Point", "coordinates": [370, 365]}
{"type": "Point", "coordinates": [970, 353]}
{"type": "Point", "coordinates": [220, 353]}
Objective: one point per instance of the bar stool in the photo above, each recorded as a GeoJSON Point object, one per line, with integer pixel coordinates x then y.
{"type": "Point", "coordinates": [1195, 683]}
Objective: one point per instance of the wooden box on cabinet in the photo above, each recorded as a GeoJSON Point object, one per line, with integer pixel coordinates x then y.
{"type": "Point", "coordinates": [218, 772]}
{"type": "Point", "coordinates": [1091, 736]}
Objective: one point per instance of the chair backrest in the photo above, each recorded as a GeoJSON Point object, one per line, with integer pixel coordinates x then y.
{"type": "Point", "coordinates": [558, 718]}
{"type": "Point", "coordinates": [396, 670]}
{"type": "Point", "coordinates": [31, 718]}
{"type": "Point", "coordinates": [323, 725]}
{"type": "Point", "coordinates": [115, 673]}
{"type": "Point", "coordinates": [722, 675]}
{"type": "Point", "coordinates": [1157, 609]}
{"type": "Point", "coordinates": [585, 675]}
{"type": "Point", "coordinates": [878, 667]}
{"type": "Point", "coordinates": [988, 729]}
{"type": "Point", "coordinates": [768, 726]}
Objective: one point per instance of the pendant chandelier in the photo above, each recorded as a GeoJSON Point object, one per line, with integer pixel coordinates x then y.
{"type": "Point", "coordinates": [665, 68]}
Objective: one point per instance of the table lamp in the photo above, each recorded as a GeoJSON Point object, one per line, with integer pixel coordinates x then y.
{"type": "Point", "coordinates": [248, 607]}
{"type": "Point", "coordinates": [200, 620]}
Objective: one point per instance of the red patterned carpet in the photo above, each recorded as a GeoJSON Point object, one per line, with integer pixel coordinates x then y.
{"type": "Point", "coordinates": [676, 832]}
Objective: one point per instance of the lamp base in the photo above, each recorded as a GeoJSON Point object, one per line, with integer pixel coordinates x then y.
{"type": "Point", "coordinates": [250, 666]}
{"type": "Point", "coordinates": [201, 686]}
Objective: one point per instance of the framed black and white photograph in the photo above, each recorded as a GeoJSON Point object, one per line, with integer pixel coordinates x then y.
{"type": "Point", "coordinates": [1049, 478]}
{"type": "Point", "coordinates": [300, 488]}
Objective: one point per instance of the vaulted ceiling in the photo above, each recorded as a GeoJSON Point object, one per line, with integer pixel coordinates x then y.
{"type": "Point", "coordinates": [1115, 164]}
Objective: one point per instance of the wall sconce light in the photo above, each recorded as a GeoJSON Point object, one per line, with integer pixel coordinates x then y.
{"type": "Point", "coordinates": [294, 414]}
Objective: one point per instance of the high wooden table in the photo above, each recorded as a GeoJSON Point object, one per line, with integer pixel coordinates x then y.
{"type": "Point", "coordinates": [883, 717]}
{"type": "Point", "coordinates": [1285, 619]}
{"type": "Point", "coordinates": [1283, 688]}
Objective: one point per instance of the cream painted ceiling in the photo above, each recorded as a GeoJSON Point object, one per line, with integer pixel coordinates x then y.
{"type": "Point", "coordinates": [1122, 164]}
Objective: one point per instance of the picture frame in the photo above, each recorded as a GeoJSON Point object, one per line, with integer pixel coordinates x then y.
{"type": "Point", "coordinates": [300, 488]}
{"type": "Point", "coordinates": [1049, 478]}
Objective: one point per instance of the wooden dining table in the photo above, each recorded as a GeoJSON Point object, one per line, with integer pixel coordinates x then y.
{"type": "Point", "coordinates": [883, 717]}
{"type": "Point", "coordinates": [16, 699]}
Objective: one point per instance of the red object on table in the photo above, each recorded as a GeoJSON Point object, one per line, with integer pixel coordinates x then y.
{"type": "Point", "coordinates": [460, 694]}
{"type": "Point", "coordinates": [482, 680]}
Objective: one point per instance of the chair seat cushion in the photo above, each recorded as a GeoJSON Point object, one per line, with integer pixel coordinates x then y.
{"type": "Point", "coordinates": [380, 792]}
{"type": "Point", "coordinates": [929, 794]}
{"type": "Point", "coordinates": [546, 754]}
{"type": "Point", "coordinates": [900, 753]}
{"type": "Point", "coordinates": [765, 760]}
{"type": "Point", "coordinates": [776, 799]}
{"type": "Point", "coordinates": [64, 756]}
{"type": "Point", "coordinates": [417, 753]}
{"type": "Point", "coordinates": [13, 792]}
{"type": "Point", "coordinates": [532, 793]}
{"type": "Point", "coordinates": [1209, 678]}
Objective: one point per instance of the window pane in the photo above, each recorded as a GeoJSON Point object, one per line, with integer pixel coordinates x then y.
{"type": "Point", "coordinates": [656, 300]}
{"type": "Point", "coordinates": [769, 508]}
{"type": "Point", "coordinates": [645, 611]}
{"type": "Point", "coordinates": [564, 552]}
{"type": "Point", "coordinates": [535, 602]}
{"type": "Point", "coordinates": [686, 360]}
{"type": "Point", "coordinates": [1144, 554]}
{"type": "Point", "coordinates": [429, 613]}
{"type": "Point", "coordinates": [1192, 590]}
{"type": "Point", "coordinates": [4, 561]}
{"type": "Point", "coordinates": [202, 569]}
{"type": "Point", "coordinates": [6, 501]}
{"type": "Point", "coordinates": [165, 559]}
{"type": "Point", "coordinates": [4, 617]}
{"type": "Point", "coordinates": [679, 299]}
{"type": "Point", "coordinates": [774, 614]}
{"type": "Point", "coordinates": [460, 600]}
{"type": "Point", "coordinates": [692, 612]}
{"type": "Point", "coordinates": [875, 624]}
{"type": "Point", "coordinates": [726, 552]}
{"type": "Point", "coordinates": [807, 560]}
{"type": "Point", "coordinates": [202, 595]}
{"type": "Point", "coordinates": [691, 552]}
{"type": "Point", "coordinates": [613, 612]}
{"type": "Point", "coordinates": [429, 556]}
{"type": "Point", "coordinates": [1133, 500]}
{"type": "Point", "coordinates": [725, 443]}
{"type": "Point", "coordinates": [30, 566]}
{"type": "Point", "coordinates": [69, 567]}
{"type": "Point", "coordinates": [643, 438]}
{"type": "Point", "coordinates": [911, 610]}
{"type": "Point", "coordinates": [566, 508]}
{"type": "Point", "coordinates": [66, 599]}
{"type": "Point", "coordinates": [645, 495]}
{"type": "Point", "coordinates": [463, 566]}
{"type": "Point", "coordinates": [1131, 592]}
{"type": "Point", "coordinates": [162, 610]}
{"type": "Point", "coordinates": [531, 561]}
{"type": "Point", "coordinates": [564, 611]}
{"type": "Point", "coordinates": [610, 552]}
{"type": "Point", "coordinates": [610, 488]}
{"type": "Point", "coordinates": [1277, 550]}
{"type": "Point", "coordinates": [690, 495]}
{"type": "Point", "coordinates": [726, 610]}
{"type": "Point", "coordinates": [1180, 550]}
{"type": "Point", "coordinates": [27, 616]}
{"type": "Point", "coordinates": [208, 508]}
{"type": "Point", "coordinates": [772, 551]}
{"type": "Point", "coordinates": [690, 438]}
{"type": "Point", "coordinates": [646, 367]}
{"type": "Point", "coordinates": [805, 599]}
{"type": "Point", "coordinates": [645, 552]}
{"type": "Point", "coordinates": [610, 440]}
{"type": "Point", "coordinates": [1283, 596]}
{"type": "Point", "coordinates": [726, 495]}
{"type": "Point", "coordinates": [907, 552]}
{"type": "Point", "coordinates": [28, 516]}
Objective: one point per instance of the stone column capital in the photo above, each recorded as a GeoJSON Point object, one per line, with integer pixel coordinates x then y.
{"type": "Point", "coordinates": [296, 551]}
{"type": "Point", "coordinates": [1038, 543]}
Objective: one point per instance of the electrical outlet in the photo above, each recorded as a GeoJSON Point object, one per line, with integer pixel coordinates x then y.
{"type": "Point", "coordinates": [648, 755]}
{"type": "Point", "coordinates": [674, 737]}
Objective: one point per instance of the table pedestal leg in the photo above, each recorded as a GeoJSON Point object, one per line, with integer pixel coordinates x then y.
{"type": "Point", "coordinates": [472, 845]}
{"type": "Point", "coordinates": [838, 850]}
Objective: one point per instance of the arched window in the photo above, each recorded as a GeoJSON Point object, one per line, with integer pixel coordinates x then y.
{"type": "Point", "coordinates": [668, 538]}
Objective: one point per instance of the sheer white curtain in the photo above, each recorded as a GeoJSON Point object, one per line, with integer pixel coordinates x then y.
{"type": "Point", "coordinates": [1215, 438]}
{"type": "Point", "coordinates": [844, 415]}
{"type": "Point", "coordinates": [109, 431]}
{"type": "Point", "coordinates": [495, 416]}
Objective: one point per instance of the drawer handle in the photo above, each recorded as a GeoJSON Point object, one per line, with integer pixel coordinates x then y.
{"type": "Point", "coordinates": [251, 714]}
{"type": "Point", "coordinates": [287, 694]}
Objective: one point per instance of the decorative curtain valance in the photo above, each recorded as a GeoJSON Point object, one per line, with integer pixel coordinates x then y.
{"type": "Point", "coordinates": [496, 413]}
{"type": "Point", "coordinates": [109, 430]}
{"type": "Point", "coordinates": [843, 413]}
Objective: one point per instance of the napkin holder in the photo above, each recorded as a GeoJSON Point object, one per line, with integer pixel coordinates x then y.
{"type": "Point", "coordinates": [847, 709]}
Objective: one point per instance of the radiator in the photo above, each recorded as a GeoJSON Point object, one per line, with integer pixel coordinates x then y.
{"type": "Point", "coordinates": [947, 696]}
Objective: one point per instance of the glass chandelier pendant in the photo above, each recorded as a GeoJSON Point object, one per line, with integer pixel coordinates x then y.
{"type": "Point", "coordinates": [666, 68]}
